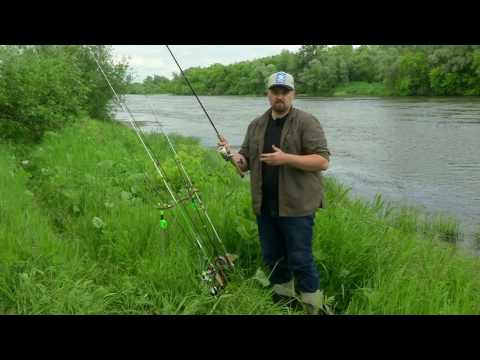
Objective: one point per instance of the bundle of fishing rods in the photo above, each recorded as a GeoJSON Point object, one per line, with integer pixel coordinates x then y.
{"type": "Point", "coordinates": [197, 224]}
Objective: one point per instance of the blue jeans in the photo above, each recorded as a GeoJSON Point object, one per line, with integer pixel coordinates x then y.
{"type": "Point", "coordinates": [287, 250]}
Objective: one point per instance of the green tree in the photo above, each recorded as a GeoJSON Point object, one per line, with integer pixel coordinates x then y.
{"type": "Point", "coordinates": [363, 65]}
{"type": "Point", "coordinates": [318, 70]}
{"type": "Point", "coordinates": [453, 70]}
{"type": "Point", "coordinates": [409, 75]}
{"type": "Point", "coordinates": [309, 52]}
{"type": "Point", "coordinates": [474, 85]}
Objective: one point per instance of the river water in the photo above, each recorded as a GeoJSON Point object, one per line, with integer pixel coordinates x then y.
{"type": "Point", "coordinates": [423, 152]}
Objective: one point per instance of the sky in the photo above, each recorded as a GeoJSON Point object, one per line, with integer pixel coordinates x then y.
{"type": "Point", "coordinates": [148, 60]}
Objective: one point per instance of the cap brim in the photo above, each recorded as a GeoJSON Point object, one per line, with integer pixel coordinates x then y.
{"type": "Point", "coordinates": [281, 85]}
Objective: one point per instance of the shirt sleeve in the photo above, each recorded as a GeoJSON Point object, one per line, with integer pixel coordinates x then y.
{"type": "Point", "coordinates": [314, 140]}
{"type": "Point", "coordinates": [245, 148]}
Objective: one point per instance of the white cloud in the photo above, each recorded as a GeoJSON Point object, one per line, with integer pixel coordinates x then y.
{"type": "Point", "coordinates": [147, 60]}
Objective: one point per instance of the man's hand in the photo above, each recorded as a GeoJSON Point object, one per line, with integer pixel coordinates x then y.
{"type": "Point", "coordinates": [276, 158]}
{"type": "Point", "coordinates": [238, 158]}
{"type": "Point", "coordinates": [312, 162]}
{"type": "Point", "coordinates": [224, 143]}
{"type": "Point", "coordinates": [240, 161]}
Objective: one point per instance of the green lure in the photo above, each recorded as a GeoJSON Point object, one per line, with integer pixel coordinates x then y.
{"type": "Point", "coordinates": [163, 222]}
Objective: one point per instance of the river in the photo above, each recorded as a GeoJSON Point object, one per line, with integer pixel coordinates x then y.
{"type": "Point", "coordinates": [423, 152]}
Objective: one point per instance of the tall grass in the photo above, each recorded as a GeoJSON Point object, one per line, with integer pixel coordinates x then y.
{"type": "Point", "coordinates": [40, 272]}
{"type": "Point", "coordinates": [379, 260]}
{"type": "Point", "coordinates": [80, 234]}
{"type": "Point", "coordinates": [91, 184]}
{"type": "Point", "coordinates": [477, 238]}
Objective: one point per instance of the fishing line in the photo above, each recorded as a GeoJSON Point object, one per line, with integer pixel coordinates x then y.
{"type": "Point", "coordinates": [215, 264]}
{"type": "Point", "coordinates": [224, 150]}
{"type": "Point", "coordinates": [193, 91]}
{"type": "Point", "coordinates": [188, 180]}
{"type": "Point", "coordinates": [151, 156]}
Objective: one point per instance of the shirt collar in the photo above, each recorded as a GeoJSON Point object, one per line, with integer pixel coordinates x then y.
{"type": "Point", "coordinates": [282, 118]}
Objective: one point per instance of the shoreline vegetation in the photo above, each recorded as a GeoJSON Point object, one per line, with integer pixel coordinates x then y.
{"type": "Point", "coordinates": [80, 232]}
{"type": "Point", "coordinates": [352, 89]}
{"type": "Point", "coordinates": [320, 70]}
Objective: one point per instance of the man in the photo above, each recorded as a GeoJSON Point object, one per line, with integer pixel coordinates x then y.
{"type": "Point", "coordinates": [285, 150]}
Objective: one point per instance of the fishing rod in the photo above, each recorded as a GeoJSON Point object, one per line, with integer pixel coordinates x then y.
{"type": "Point", "coordinates": [139, 134]}
{"type": "Point", "coordinates": [222, 262]}
{"type": "Point", "coordinates": [216, 264]}
{"type": "Point", "coordinates": [186, 177]}
{"type": "Point", "coordinates": [224, 151]}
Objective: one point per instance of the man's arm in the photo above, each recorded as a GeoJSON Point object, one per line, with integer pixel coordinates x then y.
{"type": "Point", "coordinates": [241, 158]}
{"type": "Point", "coordinates": [315, 157]}
{"type": "Point", "coordinates": [313, 162]}
{"type": "Point", "coordinates": [314, 146]}
{"type": "Point", "coordinates": [243, 155]}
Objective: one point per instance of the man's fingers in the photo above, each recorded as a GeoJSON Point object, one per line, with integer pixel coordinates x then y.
{"type": "Point", "coordinates": [222, 141]}
{"type": "Point", "coordinates": [224, 144]}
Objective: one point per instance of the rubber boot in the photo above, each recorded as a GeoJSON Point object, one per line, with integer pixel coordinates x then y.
{"type": "Point", "coordinates": [312, 301]}
{"type": "Point", "coordinates": [286, 289]}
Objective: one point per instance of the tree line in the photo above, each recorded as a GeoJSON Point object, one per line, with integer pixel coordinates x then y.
{"type": "Point", "coordinates": [320, 70]}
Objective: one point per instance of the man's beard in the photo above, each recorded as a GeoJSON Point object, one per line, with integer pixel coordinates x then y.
{"type": "Point", "coordinates": [280, 107]}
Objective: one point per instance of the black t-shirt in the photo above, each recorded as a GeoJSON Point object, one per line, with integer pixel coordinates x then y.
{"type": "Point", "coordinates": [273, 135]}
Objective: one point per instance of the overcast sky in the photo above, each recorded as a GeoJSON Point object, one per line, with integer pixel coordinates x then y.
{"type": "Point", "coordinates": [148, 60]}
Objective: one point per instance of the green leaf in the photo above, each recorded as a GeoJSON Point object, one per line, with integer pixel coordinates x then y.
{"type": "Point", "coordinates": [98, 223]}
{"type": "Point", "coordinates": [125, 195]}
{"type": "Point", "coordinates": [28, 193]}
{"type": "Point", "coordinates": [139, 177]}
{"type": "Point", "coordinates": [106, 164]}
{"type": "Point", "coordinates": [261, 278]}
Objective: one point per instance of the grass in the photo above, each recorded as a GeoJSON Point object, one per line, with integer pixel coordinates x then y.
{"type": "Point", "coordinates": [121, 263]}
{"type": "Point", "coordinates": [377, 261]}
{"type": "Point", "coordinates": [477, 238]}
{"type": "Point", "coordinates": [40, 272]}
{"type": "Point", "coordinates": [80, 234]}
{"type": "Point", "coordinates": [360, 88]}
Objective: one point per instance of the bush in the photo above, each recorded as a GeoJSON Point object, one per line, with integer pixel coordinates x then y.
{"type": "Point", "coordinates": [98, 103]}
{"type": "Point", "coordinates": [40, 93]}
{"type": "Point", "coordinates": [46, 87]}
